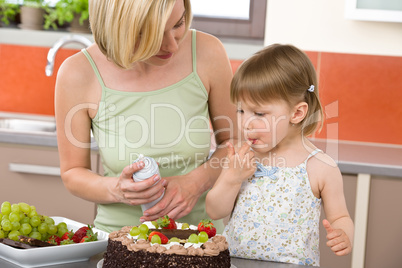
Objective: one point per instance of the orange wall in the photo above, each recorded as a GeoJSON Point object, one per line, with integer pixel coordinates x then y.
{"type": "Point", "coordinates": [360, 93]}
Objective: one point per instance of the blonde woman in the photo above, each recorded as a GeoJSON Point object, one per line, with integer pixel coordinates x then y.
{"type": "Point", "coordinates": [273, 186]}
{"type": "Point", "coordinates": [148, 85]}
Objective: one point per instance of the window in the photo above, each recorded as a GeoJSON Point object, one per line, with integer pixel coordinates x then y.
{"type": "Point", "coordinates": [374, 10]}
{"type": "Point", "coordinates": [230, 18]}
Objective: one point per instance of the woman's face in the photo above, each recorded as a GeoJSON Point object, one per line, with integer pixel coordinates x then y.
{"type": "Point", "coordinates": [174, 32]}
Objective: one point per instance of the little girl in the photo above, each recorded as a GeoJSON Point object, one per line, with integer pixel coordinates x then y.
{"type": "Point", "coordinates": [274, 184]}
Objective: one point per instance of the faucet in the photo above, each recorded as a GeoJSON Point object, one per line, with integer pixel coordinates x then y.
{"type": "Point", "coordinates": [51, 55]}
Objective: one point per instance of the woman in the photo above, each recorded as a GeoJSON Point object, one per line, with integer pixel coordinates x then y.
{"type": "Point", "coordinates": [149, 85]}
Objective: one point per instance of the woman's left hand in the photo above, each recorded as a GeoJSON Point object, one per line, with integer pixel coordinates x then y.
{"type": "Point", "coordinates": [181, 195]}
{"type": "Point", "coordinates": [338, 240]}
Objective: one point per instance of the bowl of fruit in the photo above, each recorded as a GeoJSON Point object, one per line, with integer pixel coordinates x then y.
{"type": "Point", "coordinates": [29, 239]}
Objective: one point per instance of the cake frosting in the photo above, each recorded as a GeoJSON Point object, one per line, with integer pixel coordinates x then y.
{"type": "Point", "coordinates": [124, 250]}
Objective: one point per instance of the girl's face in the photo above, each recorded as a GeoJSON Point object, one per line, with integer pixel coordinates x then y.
{"type": "Point", "coordinates": [264, 125]}
{"type": "Point", "coordinates": [173, 35]}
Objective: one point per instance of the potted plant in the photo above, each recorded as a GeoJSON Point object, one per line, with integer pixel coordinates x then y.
{"type": "Point", "coordinates": [74, 12]}
{"type": "Point", "coordinates": [8, 12]}
{"type": "Point", "coordinates": [32, 14]}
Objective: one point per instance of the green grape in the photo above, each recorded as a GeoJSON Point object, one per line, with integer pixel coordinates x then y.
{"type": "Point", "coordinates": [32, 213]}
{"type": "Point", "coordinates": [49, 221]}
{"type": "Point", "coordinates": [2, 234]}
{"type": "Point", "coordinates": [5, 217]}
{"type": "Point", "coordinates": [25, 220]}
{"type": "Point", "coordinates": [14, 216]}
{"type": "Point", "coordinates": [142, 236]}
{"type": "Point", "coordinates": [174, 239]}
{"type": "Point", "coordinates": [62, 225]}
{"type": "Point", "coordinates": [16, 225]}
{"type": "Point", "coordinates": [6, 225]}
{"type": "Point", "coordinates": [13, 235]}
{"type": "Point", "coordinates": [26, 228]}
{"type": "Point", "coordinates": [35, 235]}
{"type": "Point", "coordinates": [185, 226]}
{"type": "Point", "coordinates": [5, 208]}
{"type": "Point", "coordinates": [61, 231]}
{"type": "Point", "coordinates": [22, 215]}
{"type": "Point", "coordinates": [43, 228]}
{"type": "Point", "coordinates": [154, 223]}
{"type": "Point", "coordinates": [1, 215]}
{"type": "Point", "coordinates": [156, 239]}
{"type": "Point", "coordinates": [24, 207]}
{"type": "Point", "coordinates": [33, 208]}
{"type": "Point", "coordinates": [52, 229]}
{"type": "Point", "coordinates": [144, 229]}
{"type": "Point", "coordinates": [203, 237]}
{"type": "Point", "coordinates": [35, 221]}
{"type": "Point", "coordinates": [193, 238]}
{"type": "Point", "coordinates": [135, 231]}
{"type": "Point", "coordinates": [15, 208]}
{"type": "Point", "coordinates": [45, 236]}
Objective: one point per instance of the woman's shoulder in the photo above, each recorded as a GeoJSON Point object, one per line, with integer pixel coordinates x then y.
{"type": "Point", "coordinates": [76, 78]}
{"type": "Point", "coordinates": [209, 44]}
{"type": "Point", "coordinates": [74, 69]}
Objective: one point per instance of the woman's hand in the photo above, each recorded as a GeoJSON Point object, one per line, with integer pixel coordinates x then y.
{"type": "Point", "coordinates": [338, 240]}
{"type": "Point", "coordinates": [136, 193]}
{"type": "Point", "coordinates": [181, 195]}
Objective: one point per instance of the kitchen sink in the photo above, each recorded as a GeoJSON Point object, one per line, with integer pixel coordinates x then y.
{"type": "Point", "coordinates": [27, 123]}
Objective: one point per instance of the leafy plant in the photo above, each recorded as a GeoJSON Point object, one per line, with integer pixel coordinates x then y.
{"type": "Point", "coordinates": [8, 11]}
{"type": "Point", "coordinates": [34, 3]}
{"type": "Point", "coordinates": [64, 11]}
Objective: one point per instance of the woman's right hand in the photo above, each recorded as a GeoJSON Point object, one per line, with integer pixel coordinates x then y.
{"type": "Point", "coordinates": [130, 192]}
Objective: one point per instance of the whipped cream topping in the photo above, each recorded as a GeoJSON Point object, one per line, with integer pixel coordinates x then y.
{"type": "Point", "coordinates": [212, 247]}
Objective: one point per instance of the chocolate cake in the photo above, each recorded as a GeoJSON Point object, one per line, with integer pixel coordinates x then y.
{"type": "Point", "coordinates": [124, 250]}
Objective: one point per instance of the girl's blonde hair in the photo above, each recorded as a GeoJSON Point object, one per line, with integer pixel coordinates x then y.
{"type": "Point", "coordinates": [128, 31]}
{"type": "Point", "coordinates": [280, 72]}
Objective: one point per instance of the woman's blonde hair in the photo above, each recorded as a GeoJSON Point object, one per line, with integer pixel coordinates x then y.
{"type": "Point", "coordinates": [280, 72]}
{"type": "Point", "coordinates": [128, 31]}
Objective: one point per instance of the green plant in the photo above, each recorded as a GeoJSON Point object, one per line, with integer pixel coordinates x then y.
{"type": "Point", "coordinates": [64, 11]}
{"type": "Point", "coordinates": [8, 11]}
{"type": "Point", "coordinates": [34, 3]}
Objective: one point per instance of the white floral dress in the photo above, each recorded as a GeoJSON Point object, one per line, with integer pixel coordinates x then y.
{"type": "Point", "coordinates": [276, 217]}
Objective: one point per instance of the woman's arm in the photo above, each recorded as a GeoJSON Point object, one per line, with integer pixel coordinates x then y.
{"type": "Point", "coordinates": [75, 98]}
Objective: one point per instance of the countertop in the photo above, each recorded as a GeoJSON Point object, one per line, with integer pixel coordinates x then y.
{"type": "Point", "coordinates": [93, 261]}
{"type": "Point", "coordinates": [352, 157]}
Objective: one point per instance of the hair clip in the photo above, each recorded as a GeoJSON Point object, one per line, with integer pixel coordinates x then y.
{"type": "Point", "coordinates": [311, 88]}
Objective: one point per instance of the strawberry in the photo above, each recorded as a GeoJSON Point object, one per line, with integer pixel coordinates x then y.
{"type": "Point", "coordinates": [166, 223]}
{"type": "Point", "coordinates": [67, 242]}
{"type": "Point", "coordinates": [88, 238]}
{"type": "Point", "coordinates": [80, 233]}
{"type": "Point", "coordinates": [67, 235]}
{"type": "Point", "coordinates": [164, 239]}
{"type": "Point", "coordinates": [54, 239]}
{"type": "Point", "coordinates": [208, 227]}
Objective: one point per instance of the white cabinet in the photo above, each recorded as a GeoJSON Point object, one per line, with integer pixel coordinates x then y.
{"type": "Point", "coordinates": [31, 174]}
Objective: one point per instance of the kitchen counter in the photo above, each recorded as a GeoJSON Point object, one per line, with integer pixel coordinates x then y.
{"type": "Point", "coordinates": [93, 261]}
{"type": "Point", "coordinates": [351, 157]}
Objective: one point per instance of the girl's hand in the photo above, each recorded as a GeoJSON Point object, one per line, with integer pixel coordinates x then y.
{"type": "Point", "coordinates": [240, 164]}
{"type": "Point", "coordinates": [136, 193]}
{"type": "Point", "coordinates": [338, 241]}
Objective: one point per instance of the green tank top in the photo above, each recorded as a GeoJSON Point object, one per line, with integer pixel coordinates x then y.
{"type": "Point", "coordinates": [170, 124]}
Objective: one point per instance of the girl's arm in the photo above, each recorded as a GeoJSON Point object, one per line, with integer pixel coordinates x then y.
{"type": "Point", "coordinates": [338, 224]}
{"type": "Point", "coordinates": [221, 198]}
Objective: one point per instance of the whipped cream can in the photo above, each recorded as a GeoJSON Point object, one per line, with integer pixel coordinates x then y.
{"type": "Point", "coordinates": [150, 168]}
